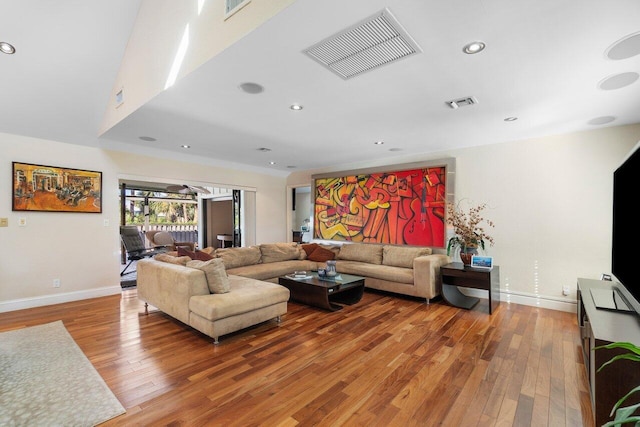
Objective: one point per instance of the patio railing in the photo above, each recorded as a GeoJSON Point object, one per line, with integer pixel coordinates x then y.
{"type": "Point", "coordinates": [180, 232]}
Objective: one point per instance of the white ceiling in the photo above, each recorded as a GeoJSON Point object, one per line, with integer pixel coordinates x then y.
{"type": "Point", "coordinates": [543, 62]}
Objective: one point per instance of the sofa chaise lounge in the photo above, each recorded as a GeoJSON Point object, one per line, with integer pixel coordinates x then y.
{"type": "Point", "coordinates": [184, 293]}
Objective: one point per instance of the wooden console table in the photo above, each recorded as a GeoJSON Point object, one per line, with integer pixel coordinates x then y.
{"type": "Point", "coordinates": [457, 274]}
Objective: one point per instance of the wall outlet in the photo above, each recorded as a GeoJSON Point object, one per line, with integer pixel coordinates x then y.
{"type": "Point", "coordinates": [565, 290]}
{"type": "Point", "coordinates": [22, 222]}
{"type": "Point", "coordinates": [105, 222]}
{"type": "Point", "coordinates": [56, 283]}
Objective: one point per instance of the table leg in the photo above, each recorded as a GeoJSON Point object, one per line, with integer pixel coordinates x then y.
{"type": "Point", "coordinates": [453, 296]}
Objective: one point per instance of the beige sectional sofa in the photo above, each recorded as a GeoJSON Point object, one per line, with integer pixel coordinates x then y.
{"type": "Point", "coordinates": [407, 270]}
{"type": "Point", "coordinates": [186, 293]}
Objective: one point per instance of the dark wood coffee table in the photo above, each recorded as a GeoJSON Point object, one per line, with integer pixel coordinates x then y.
{"type": "Point", "coordinates": [325, 293]}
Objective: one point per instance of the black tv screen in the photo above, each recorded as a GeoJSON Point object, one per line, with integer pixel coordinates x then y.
{"type": "Point", "coordinates": [626, 228]}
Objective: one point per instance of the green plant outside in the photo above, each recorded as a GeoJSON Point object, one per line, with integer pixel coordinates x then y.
{"type": "Point", "coordinates": [162, 212]}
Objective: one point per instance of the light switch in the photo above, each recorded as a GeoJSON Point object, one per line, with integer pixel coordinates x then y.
{"type": "Point", "coordinates": [4, 222]}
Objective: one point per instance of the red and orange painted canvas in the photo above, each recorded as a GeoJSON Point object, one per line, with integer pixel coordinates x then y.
{"type": "Point", "coordinates": [56, 189]}
{"type": "Point", "coordinates": [403, 208]}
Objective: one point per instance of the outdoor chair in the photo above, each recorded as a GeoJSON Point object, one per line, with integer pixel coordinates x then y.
{"type": "Point", "coordinates": [164, 239]}
{"type": "Point", "coordinates": [134, 245]}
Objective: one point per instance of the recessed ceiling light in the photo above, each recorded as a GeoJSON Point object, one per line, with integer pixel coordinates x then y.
{"type": "Point", "coordinates": [185, 146]}
{"type": "Point", "coordinates": [379, 142]}
{"type": "Point", "coordinates": [474, 47]}
{"type": "Point", "coordinates": [601, 120]}
{"type": "Point", "coordinates": [252, 88]}
{"type": "Point", "coordinates": [291, 167]}
{"type": "Point", "coordinates": [296, 107]}
{"type": "Point", "coordinates": [264, 149]}
{"type": "Point", "coordinates": [7, 48]}
{"type": "Point", "coordinates": [624, 48]}
{"type": "Point", "coordinates": [395, 149]}
{"type": "Point", "coordinates": [510, 119]}
{"type": "Point", "coordinates": [272, 163]}
{"type": "Point", "coordinates": [147, 138]}
{"type": "Point", "coordinates": [618, 81]}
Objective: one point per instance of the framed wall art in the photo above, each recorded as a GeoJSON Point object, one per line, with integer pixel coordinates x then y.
{"type": "Point", "coordinates": [55, 189]}
{"type": "Point", "coordinates": [402, 207]}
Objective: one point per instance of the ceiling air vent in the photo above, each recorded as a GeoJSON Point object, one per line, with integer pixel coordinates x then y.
{"type": "Point", "coordinates": [378, 40]}
{"type": "Point", "coordinates": [456, 103]}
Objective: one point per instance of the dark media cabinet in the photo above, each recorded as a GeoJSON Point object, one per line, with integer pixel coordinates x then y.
{"type": "Point", "coordinates": [601, 327]}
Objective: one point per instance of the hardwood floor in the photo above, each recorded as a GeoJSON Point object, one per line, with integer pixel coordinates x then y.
{"type": "Point", "coordinates": [386, 361]}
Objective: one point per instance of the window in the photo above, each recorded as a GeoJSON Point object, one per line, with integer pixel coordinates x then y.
{"type": "Point", "coordinates": [232, 6]}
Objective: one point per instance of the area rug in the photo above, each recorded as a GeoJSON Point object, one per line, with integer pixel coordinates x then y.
{"type": "Point", "coordinates": [46, 380]}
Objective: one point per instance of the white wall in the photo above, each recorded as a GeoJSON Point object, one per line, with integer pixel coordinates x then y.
{"type": "Point", "coordinates": [550, 199]}
{"type": "Point", "coordinates": [78, 248]}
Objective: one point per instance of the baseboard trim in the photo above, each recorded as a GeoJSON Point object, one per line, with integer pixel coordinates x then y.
{"type": "Point", "coordinates": [541, 301]}
{"type": "Point", "coordinates": [517, 298]}
{"type": "Point", "coordinates": [24, 303]}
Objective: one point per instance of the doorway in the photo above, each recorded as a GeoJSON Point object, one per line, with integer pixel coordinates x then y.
{"type": "Point", "coordinates": [190, 219]}
{"type": "Point", "coordinates": [229, 219]}
{"type": "Point", "coordinates": [300, 217]}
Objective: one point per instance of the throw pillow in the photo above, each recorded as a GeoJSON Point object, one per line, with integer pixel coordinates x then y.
{"type": "Point", "coordinates": [402, 256]}
{"type": "Point", "coordinates": [197, 255]}
{"type": "Point", "coordinates": [216, 275]}
{"type": "Point", "coordinates": [274, 252]}
{"type": "Point", "coordinates": [202, 256]}
{"type": "Point", "coordinates": [182, 260]}
{"type": "Point", "coordinates": [308, 248]}
{"type": "Point", "coordinates": [363, 252]}
{"type": "Point", "coordinates": [183, 252]}
{"type": "Point", "coordinates": [321, 254]}
{"type": "Point", "coordinates": [239, 257]}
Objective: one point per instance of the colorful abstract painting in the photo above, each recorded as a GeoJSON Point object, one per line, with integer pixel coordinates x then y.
{"type": "Point", "coordinates": [56, 189]}
{"type": "Point", "coordinates": [403, 208]}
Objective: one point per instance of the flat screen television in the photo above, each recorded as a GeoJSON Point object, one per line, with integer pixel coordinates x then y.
{"type": "Point", "coordinates": [625, 254]}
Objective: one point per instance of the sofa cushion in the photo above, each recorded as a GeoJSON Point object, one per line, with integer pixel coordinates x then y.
{"type": "Point", "coordinates": [208, 250]}
{"type": "Point", "coordinates": [363, 252]}
{"type": "Point", "coordinates": [215, 273]}
{"type": "Point", "coordinates": [321, 254]}
{"type": "Point", "coordinates": [245, 295]}
{"type": "Point", "coordinates": [237, 257]}
{"type": "Point", "coordinates": [274, 252]}
{"type": "Point", "coordinates": [273, 270]}
{"type": "Point", "coordinates": [402, 256]}
{"type": "Point", "coordinates": [172, 259]}
{"type": "Point", "coordinates": [198, 255]}
{"type": "Point", "coordinates": [383, 272]}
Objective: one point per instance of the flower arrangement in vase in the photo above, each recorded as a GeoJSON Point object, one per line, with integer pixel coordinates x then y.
{"type": "Point", "coordinates": [469, 233]}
